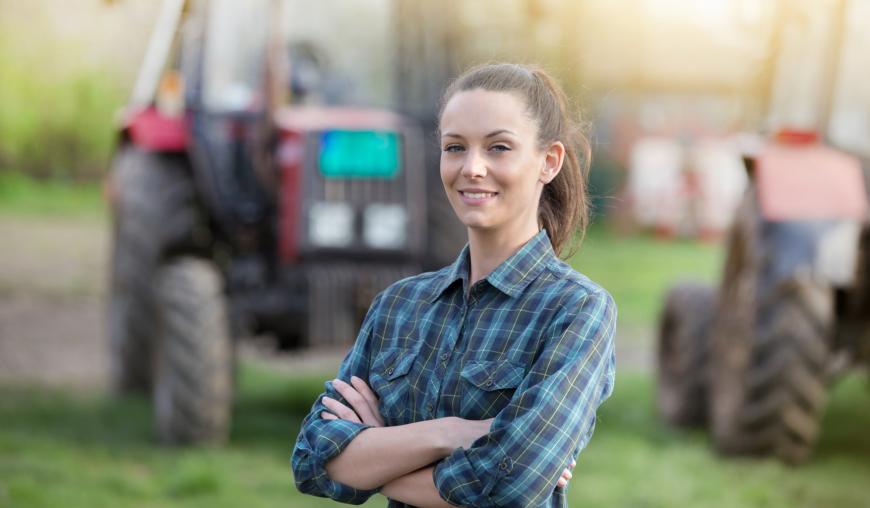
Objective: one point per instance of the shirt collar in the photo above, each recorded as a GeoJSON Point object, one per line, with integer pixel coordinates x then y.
{"type": "Point", "coordinates": [456, 271]}
{"type": "Point", "coordinates": [512, 275]}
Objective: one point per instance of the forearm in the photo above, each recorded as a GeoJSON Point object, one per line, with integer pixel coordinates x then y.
{"type": "Point", "coordinates": [397, 451]}
{"type": "Point", "coordinates": [416, 489]}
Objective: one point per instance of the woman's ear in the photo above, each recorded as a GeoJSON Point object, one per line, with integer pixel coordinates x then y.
{"type": "Point", "coordinates": [553, 159]}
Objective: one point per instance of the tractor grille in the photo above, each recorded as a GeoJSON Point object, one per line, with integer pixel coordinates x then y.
{"type": "Point", "coordinates": [405, 188]}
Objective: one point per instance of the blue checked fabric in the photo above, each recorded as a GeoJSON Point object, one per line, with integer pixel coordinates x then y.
{"type": "Point", "coordinates": [531, 345]}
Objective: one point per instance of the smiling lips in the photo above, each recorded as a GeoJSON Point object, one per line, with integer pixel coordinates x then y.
{"type": "Point", "coordinates": [475, 196]}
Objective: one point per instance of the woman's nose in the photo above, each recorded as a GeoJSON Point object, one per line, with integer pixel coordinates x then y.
{"type": "Point", "coordinates": [474, 165]}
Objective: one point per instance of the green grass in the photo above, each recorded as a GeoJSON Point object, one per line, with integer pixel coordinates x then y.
{"type": "Point", "coordinates": [634, 460]}
{"type": "Point", "coordinates": [637, 270]}
{"type": "Point", "coordinates": [21, 195]}
{"type": "Point", "coordinates": [58, 449]}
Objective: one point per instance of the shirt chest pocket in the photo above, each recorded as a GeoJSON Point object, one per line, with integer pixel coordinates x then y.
{"type": "Point", "coordinates": [390, 381]}
{"type": "Point", "coordinates": [487, 387]}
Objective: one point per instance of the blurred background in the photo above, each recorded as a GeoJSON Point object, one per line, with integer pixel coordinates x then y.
{"type": "Point", "coordinates": [198, 200]}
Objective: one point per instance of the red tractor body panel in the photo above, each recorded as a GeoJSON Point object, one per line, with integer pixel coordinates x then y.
{"type": "Point", "coordinates": [809, 181]}
{"type": "Point", "coordinates": [151, 130]}
{"type": "Point", "coordinates": [290, 163]}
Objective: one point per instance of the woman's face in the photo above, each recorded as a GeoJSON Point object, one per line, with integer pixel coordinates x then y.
{"type": "Point", "coordinates": [492, 166]}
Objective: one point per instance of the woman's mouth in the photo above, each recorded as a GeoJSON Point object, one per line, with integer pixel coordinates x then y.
{"type": "Point", "coordinates": [477, 197]}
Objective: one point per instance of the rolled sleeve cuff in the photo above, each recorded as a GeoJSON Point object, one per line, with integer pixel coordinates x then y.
{"type": "Point", "coordinates": [329, 440]}
{"type": "Point", "coordinates": [459, 484]}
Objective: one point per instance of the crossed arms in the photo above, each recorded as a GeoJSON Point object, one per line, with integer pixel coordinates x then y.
{"type": "Point", "coordinates": [405, 452]}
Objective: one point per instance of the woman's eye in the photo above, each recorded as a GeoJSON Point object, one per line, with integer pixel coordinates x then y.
{"type": "Point", "coordinates": [453, 148]}
{"type": "Point", "coordinates": [500, 148]}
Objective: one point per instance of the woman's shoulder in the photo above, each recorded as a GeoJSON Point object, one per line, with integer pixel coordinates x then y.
{"type": "Point", "coordinates": [574, 285]}
{"type": "Point", "coordinates": [419, 287]}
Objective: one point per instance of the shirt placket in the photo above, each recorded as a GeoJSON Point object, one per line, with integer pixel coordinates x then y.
{"type": "Point", "coordinates": [444, 368]}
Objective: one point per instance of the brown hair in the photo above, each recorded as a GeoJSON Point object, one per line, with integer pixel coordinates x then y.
{"type": "Point", "coordinates": [563, 209]}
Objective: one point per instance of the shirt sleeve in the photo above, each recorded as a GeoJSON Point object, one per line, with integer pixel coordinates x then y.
{"type": "Point", "coordinates": [549, 419]}
{"type": "Point", "coordinates": [320, 440]}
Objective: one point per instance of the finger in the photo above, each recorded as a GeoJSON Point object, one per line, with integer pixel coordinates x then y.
{"type": "Point", "coordinates": [356, 401]}
{"type": "Point", "coordinates": [340, 410]}
{"type": "Point", "coordinates": [573, 463]}
{"type": "Point", "coordinates": [567, 475]}
{"type": "Point", "coordinates": [328, 416]}
{"type": "Point", "coordinates": [364, 390]}
{"type": "Point", "coordinates": [368, 395]}
{"type": "Point", "coordinates": [562, 483]}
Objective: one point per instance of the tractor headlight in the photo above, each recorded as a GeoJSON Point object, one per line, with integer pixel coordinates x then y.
{"type": "Point", "coordinates": [330, 224]}
{"type": "Point", "coordinates": [385, 226]}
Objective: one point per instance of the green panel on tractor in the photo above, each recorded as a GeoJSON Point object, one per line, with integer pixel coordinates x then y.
{"type": "Point", "coordinates": [359, 154]}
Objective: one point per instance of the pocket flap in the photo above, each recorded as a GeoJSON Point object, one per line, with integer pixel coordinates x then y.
{"type": "Point", "coordinates": [489, 375]}
{"type": "Point", "coordinates": [394, 362]}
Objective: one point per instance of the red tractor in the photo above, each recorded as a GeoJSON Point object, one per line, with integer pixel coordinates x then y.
{"type": "Point", "coordinates": [238, 211]}
{"type": "Point", "coordinates": [755, 357]}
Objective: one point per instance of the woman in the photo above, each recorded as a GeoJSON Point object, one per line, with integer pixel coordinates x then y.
{"type": "Point", "coordinates": [477, 385]}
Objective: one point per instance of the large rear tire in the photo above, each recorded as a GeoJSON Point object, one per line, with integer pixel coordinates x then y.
{"type": "Point", "coordinates": [194, 355]}
{"type": "Point", "coordinates": [683, 351]}
{"type": "Point", "coordinates": [155, 211]}
{"type": "Point", "coordinates": [771, 387]}
{"type": "Point", "coordinates": [771, 349]}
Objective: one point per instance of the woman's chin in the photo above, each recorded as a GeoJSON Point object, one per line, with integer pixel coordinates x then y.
{"type": "Point", "coordinates": [476, 221]}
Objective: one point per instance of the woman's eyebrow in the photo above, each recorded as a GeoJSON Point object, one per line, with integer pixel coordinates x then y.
{"type": "Point", "coordinates": [491, 134]}
{"type": "Point", "coordinates": [500, 131]}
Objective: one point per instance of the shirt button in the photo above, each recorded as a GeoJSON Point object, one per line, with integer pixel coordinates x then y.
{"type": "Point", "coordinates": [445, 356]}
{"type": "Point", "coordinates": [506, 465]}
{"type": "Point", "coordinates": [488, 382]}
{"type": "Point", "coordinates": [429, 408]}
{"type": "Point", "coordinates": [389, 371]}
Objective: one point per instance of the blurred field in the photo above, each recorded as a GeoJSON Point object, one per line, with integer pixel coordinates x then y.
{"type": "Point", "coordinates": [64, 445]}
{"type": "Point", "coordinates": [21, 196]}
{"type": "Point", "coordinates": [637, 270]}
{"type": "Point", "coordinates": [62, 449]}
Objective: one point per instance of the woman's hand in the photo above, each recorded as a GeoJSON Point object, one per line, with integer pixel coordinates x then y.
{"type": "Point", "coordinates": [566, 475]}
{"type": "Point", "coordinates": [363, 402]}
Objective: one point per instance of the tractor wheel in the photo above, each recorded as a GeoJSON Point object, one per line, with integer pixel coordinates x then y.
{"type": "Point", "coordinates": [683, 351]}
{"type": "Point", "coordinates": [194, 354]}
{"type": "Point", "coordinates": [770, 387]}
{"type": "Point", "coordinates": [155, 211]}
{"type": "Point", "coordinates": [770, 351]}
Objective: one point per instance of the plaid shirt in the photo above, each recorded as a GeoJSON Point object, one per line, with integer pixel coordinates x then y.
{"type": "Point", "coordinates": [531, 345]}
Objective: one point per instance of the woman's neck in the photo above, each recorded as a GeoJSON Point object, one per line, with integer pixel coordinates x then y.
{"type": "Point", "coordinates": [488, 248]}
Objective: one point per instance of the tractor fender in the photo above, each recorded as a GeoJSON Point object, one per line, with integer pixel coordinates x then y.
{"type": "Point", "coordinates": [152, 130]}
{"type": "Point", "coordinates": [798, 182]}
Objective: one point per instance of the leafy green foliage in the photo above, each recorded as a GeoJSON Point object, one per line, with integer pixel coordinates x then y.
{"type": "Point", "coordinates": [56, 121]}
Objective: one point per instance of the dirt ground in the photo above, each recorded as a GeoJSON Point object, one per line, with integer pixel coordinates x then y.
{"type": "Point", "coordinates": [53, 279]}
